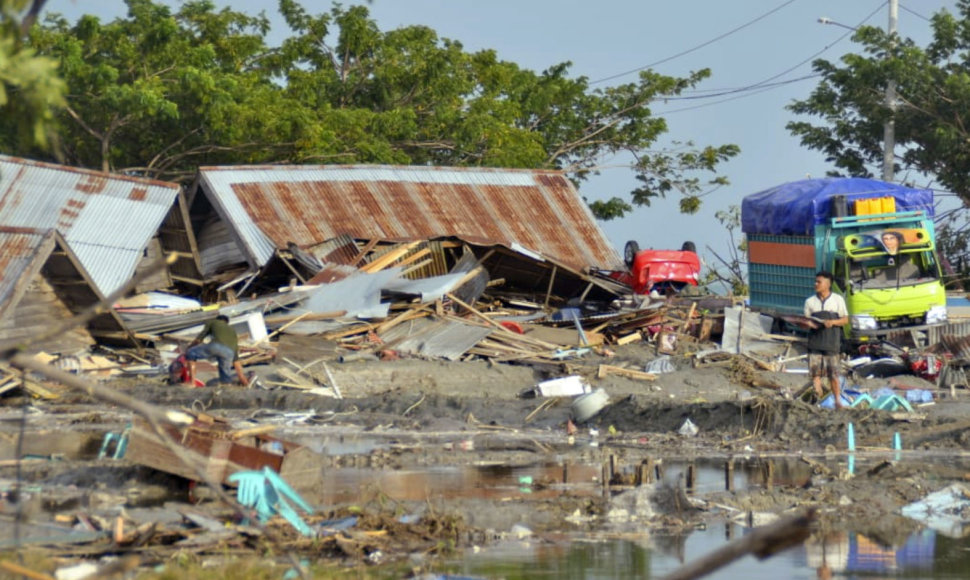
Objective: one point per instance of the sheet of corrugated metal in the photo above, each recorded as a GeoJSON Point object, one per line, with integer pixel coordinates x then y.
{"type": "Point", "coordinates": [540, 210]}
{"type": "Point", "coordinates": [116, 214]}
{"type": "Point", "coordinates": [448, 339]}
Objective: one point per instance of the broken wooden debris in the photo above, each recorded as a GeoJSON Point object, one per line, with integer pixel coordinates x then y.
{"type": "Point", "coordinates": [223, 451]}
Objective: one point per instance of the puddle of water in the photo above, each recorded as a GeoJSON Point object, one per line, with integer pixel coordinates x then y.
{"type": "Point", "coordinates": [64, 444]}
{"type": "Point", "coordinates": [925, 555]}
{"type": "Point", "coordinates": [336, 444]}
{"type": "Point", "coordinates": [541, 481]}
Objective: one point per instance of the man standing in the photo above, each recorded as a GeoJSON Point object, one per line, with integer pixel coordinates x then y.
{"type": "Point", "coordinates": [825, 341]}
{"type": "Point", "coordinates": [223, 348]}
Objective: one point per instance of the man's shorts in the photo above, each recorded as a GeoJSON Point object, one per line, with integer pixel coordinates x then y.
{"type": "Point", "coordinates": [823, 365]}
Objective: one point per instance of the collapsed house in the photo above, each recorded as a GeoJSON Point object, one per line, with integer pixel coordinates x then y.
{"type": "Point", "coordinates": [115, 225]}
{"type": "Point", "coordinates": [43, 283]}
{"type": "Point", "coordinates": [528, 228]}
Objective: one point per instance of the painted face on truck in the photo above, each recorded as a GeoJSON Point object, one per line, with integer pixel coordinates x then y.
{"type": "Point", "coordinates": [891, 241]}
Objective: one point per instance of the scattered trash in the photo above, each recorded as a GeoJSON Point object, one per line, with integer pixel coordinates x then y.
{"type": "Point", "coordinates": [947, 511]}
{"type": "Point", "coordinates": [688, 428]}
{"type": "Point", "coordinates": [77, 572]}
{"type": "Point", "coordinates": [589, 405]}
{"type": "Point", "coordinates": [660, 365]}
{"type": "Point", "coordinates": [829, 401]}
{"type": "Point", "coordinates": [571, 386]}
{"type": "Point", "coordinates": [919, 396]}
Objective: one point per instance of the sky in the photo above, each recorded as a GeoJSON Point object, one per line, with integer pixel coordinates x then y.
{"type": "Point", "coordinates": [743, 42]}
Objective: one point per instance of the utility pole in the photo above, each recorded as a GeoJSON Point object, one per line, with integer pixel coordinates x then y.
{"type": "Point", "coordinates": [889, 128]}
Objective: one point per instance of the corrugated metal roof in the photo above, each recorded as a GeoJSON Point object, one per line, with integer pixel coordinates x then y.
{"type": "Point", "coordinates": [106, 219]}
{"type": "Point", "coordinates": [540, 210]}
{"type": "Point", "coordinates": [18, 249]}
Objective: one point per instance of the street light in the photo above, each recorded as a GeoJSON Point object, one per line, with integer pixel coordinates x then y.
{"type": "Point", "coordinates": [827, 20]}
{"type": "Point", "coordinates": [889, 127]}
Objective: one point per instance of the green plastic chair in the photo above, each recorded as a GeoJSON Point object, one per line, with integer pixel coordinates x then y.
{"type": "Point", "coordinates": [267, 492]}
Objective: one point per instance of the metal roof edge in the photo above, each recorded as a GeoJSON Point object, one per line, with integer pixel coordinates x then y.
{"type": "Point", "coordinates": [72, 169]}
{"type": "Point", "coordinates": [362, 167]}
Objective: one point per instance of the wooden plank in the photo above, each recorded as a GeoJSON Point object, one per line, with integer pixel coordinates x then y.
{"type": "Point", "coordinates": [409, 314]}
{"type": "Point", "coordinates": [415, 257]}
{"type": "Point", "coordinates": [630, 338]}
{"type": "Point", "coordinates": [605, 370]}
{"type": "Point", "coordinates": [389, 257]}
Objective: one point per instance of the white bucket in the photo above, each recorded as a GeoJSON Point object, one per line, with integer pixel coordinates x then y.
{"type": "Point", "coordinates": [587, 406]}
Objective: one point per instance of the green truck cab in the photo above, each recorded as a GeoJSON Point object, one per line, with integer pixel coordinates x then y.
{"type": "Point", "coordinates": [876, 238]}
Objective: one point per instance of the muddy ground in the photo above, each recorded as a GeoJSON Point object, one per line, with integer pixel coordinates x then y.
{"type": "Point", "coordinates": [411, 415]}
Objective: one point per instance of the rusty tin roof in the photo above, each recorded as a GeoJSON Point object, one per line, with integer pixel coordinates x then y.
{"type": "Point", "coordinates": [270, 206]}
{"type": "Point", "coordinates": [19, 249]}
{"type": "Point", "coordinates": [107, 219]}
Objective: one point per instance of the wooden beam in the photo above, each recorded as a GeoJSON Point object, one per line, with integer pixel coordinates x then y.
{"type": "Point", "coordinates": [187, 280]}
{"type": "Point", "coordinates": [364, 251]}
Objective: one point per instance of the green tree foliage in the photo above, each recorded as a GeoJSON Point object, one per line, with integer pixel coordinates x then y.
{"type": "Point", "coordinates": [30, 89]}
{"type": "Point", "coordinates": [165, 90]}
{"type": "Point", "coordinates": [932, 117]}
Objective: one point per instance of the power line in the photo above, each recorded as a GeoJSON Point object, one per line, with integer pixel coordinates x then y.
{"type": "Point", "coordinates": [766, 84]}
{"type": "Point", "coordinates": [760, 85]}
{"type": "Point", "coordinates": [696, 48]}
{"type": "Point", "coordinates": [750, 93]}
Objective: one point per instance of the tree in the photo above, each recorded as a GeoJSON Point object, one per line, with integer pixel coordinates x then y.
{"type": "Point", "coordinates": [162, 91]}
{"type": "Point", "coordinates": [730, 272]}
{"type": "Point", "coordinates": [30, 89]}
{"type": "Point", "coordinates": [932, 117]}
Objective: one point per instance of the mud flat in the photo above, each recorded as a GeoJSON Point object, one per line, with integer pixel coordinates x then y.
{"type": "Point", "coordinates": [425, 460]}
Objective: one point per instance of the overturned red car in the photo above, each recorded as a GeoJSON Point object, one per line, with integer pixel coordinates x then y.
{"type": "Point", "coordinates": [661, 271]}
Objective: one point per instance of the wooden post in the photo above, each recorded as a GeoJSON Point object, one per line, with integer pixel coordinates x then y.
{"type": "Point", "coordinates": [729, 474]}
{"type": "Point", "coordinates": [614, 466]}
{"type": "Point", "coordinates": [691, 477]}
{"type": "Point", "coordinates": [659, 470]}
{"type": "Point", "coordinates": [648, 470]}
{"type": "Point", "coordinates": [552, 278]}
{"type": "Point", "coordinates": [770, 475]}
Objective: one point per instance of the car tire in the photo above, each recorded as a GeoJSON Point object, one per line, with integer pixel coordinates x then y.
{"type": "Point", "coordinates": [630, 251]}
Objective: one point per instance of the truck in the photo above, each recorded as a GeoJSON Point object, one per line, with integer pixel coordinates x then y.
{"type": "Point", "coordinates": [660, 271]}
{"type": "Point", "coordinates": [876, 238]}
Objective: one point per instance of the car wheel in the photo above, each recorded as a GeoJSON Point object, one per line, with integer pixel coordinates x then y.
{"type": "Point", "coordinates": [630, 252]}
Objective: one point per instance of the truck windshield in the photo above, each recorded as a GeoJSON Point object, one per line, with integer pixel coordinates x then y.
{"type": "Point", "coordinates": [889, 271]}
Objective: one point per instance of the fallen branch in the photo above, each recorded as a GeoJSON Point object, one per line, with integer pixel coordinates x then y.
{"type": "Point", "coordinates": [762, 542]}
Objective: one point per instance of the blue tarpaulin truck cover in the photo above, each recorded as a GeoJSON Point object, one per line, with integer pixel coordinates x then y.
{"type": "Point", "coordinates": [795, 208]}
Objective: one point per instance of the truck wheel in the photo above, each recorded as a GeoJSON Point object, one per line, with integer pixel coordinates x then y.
{"type": "Point", "coordinates": [630, 251]}
{"type": "Point", "coordinates": [688, 247]}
